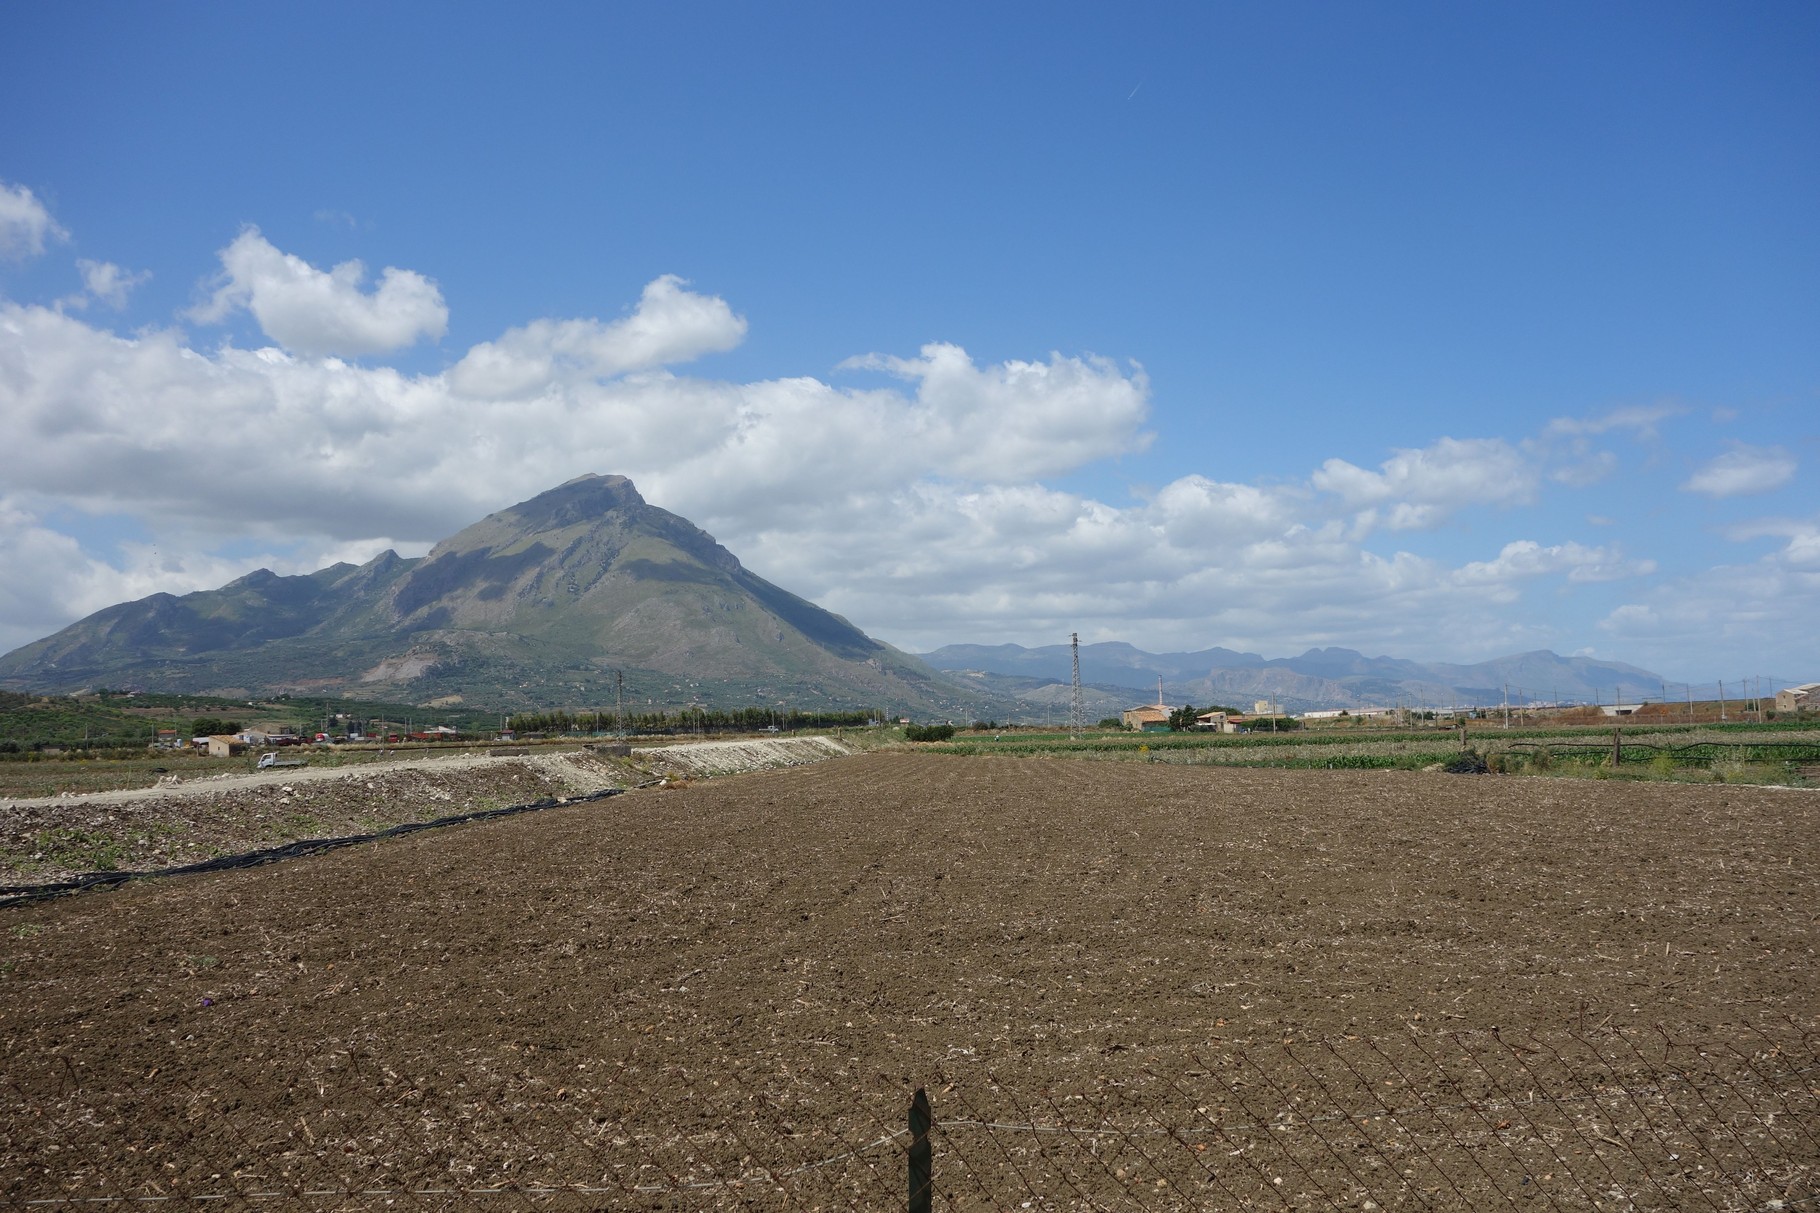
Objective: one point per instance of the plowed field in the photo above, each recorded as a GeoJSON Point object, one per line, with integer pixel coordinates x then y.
{"type": "Point", "coordinates": [723, 994]}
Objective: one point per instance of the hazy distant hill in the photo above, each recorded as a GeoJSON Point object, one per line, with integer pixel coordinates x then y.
{"type": "Point", "coordinates": [537, 604]}
{"type": "Point", "coordinates": [1319, 678]}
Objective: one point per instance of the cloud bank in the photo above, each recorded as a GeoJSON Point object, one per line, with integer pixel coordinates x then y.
{"type": "Point", "coordinates": [913, 493]}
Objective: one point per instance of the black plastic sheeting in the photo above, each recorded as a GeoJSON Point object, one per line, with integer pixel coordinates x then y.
{"type": "Point", "coordinates": [12, 895]}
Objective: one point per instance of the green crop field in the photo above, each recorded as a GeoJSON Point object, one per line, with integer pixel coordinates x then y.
{"type": "Point", "coordinates": [1744, 752]}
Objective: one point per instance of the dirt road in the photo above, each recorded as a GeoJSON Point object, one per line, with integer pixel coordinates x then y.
{"type": "Point", "coordinates": [52, 838]}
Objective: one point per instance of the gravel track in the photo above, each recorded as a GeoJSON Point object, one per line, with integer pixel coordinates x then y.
{"type": "Point", "coordinates": [46, 839]}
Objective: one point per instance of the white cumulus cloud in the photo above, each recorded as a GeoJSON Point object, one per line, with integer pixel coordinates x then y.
{"type": "Point", "coordinates": [1525, 558]}
{"type": "Point", "coordinates": [323, 312]}
{"type": "Point", "coordinates": [1642, 420]}
{"type": "Point", "coordinates": [1682, 624]}
{"type": "Point", "coordinates": [25, 225]}
{"type": "Point", "coordinates": [104, 282]}
{"type": "Point", "coordinates": [1414, 489]}
{"type": "Point", "coordinates": [1019, 420]}
{"type": "Point", "coordinates": [1801, 536]}
{"type": "Point", "coordinates": [670, 325]}
{"type": "Point", "coordinates": [1742, 471]}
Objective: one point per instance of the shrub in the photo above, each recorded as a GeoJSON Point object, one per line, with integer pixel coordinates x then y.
{"type": "Point", "coordinates": [928, 732]}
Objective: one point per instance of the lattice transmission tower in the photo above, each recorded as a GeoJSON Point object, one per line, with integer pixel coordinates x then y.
{"type": "Point", "coordinates": [1077, 708]}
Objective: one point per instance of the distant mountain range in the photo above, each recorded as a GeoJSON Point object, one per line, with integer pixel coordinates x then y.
{"type": "Point", "coordinates": [546, 603]}
{"type": "Point", "coordinates": [1319, 678]}
{"type": "Point", "coordinates": [538, 605]}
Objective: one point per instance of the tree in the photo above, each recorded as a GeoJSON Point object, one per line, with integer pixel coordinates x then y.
{"type": "Point", "coordinates": [1182, 719]}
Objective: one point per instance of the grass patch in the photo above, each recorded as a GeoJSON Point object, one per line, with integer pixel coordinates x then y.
{"type": "Point", "coordinates": [79, 850]}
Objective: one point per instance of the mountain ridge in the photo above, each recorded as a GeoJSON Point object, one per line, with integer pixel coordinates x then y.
{"type": "Point", "coordinates": [1318, 678]}
{"type": "Point", "coordinates": [551, 601]}
{"type": "Point", "coordinates": [545, 602]}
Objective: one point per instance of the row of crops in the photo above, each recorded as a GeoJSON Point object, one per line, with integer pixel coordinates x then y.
{"type": "Point", "coordinates": [1777, 750]}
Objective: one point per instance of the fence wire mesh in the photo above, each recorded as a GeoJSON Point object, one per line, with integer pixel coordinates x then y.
{"type": "Point", "coordinates": [1719, 1118]}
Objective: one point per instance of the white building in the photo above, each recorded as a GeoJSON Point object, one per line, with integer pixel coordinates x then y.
{"type": "Point", "coordinates": [1804, 698]}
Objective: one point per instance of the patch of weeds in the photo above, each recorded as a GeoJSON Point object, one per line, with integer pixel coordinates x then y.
{"type": "Point", "coordinates": [1732, 771]}
{"type": "Point", "coordinates": [26, 930]}
{"type": "Point", "coordinates": [193, 965]}
{"type": "Point", "coordinates": [82, 850]}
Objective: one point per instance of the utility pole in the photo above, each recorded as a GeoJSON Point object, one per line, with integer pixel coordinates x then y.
{"type": "Point", "coordinates": [1077, 712]}
{"type": "Point", "coordinates": [1722, 701]}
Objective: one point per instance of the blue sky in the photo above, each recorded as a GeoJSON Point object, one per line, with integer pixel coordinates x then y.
{"type": "Point", "coordinates": [1442, 331]}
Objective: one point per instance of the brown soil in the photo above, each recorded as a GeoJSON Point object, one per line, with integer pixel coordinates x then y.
{"type": "Point", "coordinates": [669, 988]}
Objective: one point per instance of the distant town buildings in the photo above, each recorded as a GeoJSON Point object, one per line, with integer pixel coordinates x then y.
{"type": "Point", "coordinates": [1353, 713]}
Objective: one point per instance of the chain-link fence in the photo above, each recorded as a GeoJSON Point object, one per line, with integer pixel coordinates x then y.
{"type": "Point", "coordinates": [1720, 1118]}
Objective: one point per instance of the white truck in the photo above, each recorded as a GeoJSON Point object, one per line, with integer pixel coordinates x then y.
{"type": "Point", "coordinates": [269, 760]}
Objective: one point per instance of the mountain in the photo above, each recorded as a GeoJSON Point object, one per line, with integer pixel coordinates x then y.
{"type": "Point", "coordinates": [536, 605]}
{"type": "Point", "coordinates": [1319, 678]}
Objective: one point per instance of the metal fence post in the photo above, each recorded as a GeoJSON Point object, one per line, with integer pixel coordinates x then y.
{"type": "Point", "coordinates": [922, 1155]}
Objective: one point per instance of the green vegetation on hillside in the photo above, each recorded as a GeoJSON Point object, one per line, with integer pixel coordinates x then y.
{"type": "Point", "coordinates": [116, 720]}
{"type": "Point", "coordinates": [31, 722]}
